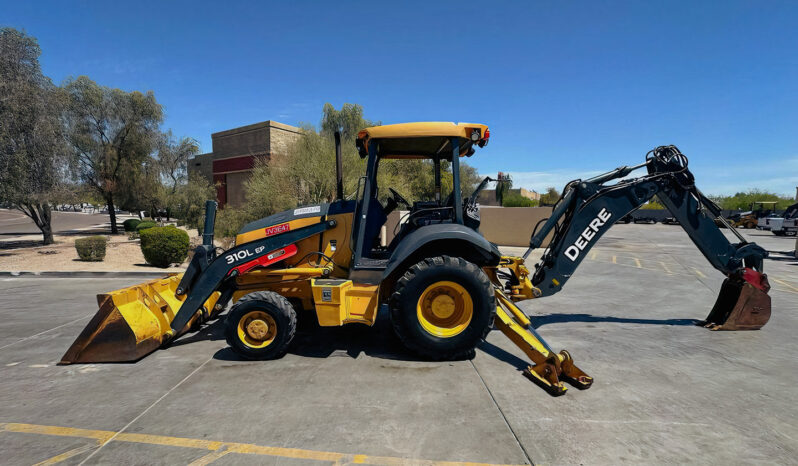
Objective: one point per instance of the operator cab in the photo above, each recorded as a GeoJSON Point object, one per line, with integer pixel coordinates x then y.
{"type": "Point", "coordinates": [439, 143]}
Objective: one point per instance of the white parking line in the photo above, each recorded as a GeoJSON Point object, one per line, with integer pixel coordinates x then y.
{"type": "Point", "coordinates": [48, 330]}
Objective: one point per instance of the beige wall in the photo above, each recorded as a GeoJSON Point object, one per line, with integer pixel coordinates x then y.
{"type": "Point", "coordinates": [505, 226]}
{"type": "Point", "coordinates": [511, 226]}
{"type": "Point", "coordinates": [281, 137]}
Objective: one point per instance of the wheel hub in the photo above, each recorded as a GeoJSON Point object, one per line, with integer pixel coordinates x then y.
{"type": "Point", "coordinates": [258, 329]}
{"type": "Point", "coordinates": [442, 306]}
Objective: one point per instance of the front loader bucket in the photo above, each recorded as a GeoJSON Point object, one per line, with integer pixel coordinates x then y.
{"type": "Point", "coordinates": [131, 323]}
{"type": "Point", "coordinates": [743, 303]}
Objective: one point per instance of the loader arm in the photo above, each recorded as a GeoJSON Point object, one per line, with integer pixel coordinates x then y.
{"type": "Point", "coordinates": [135, 321]}
{"type": "Point", "coordinates": [588, 208]}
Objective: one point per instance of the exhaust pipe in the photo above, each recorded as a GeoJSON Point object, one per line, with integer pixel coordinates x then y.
{"type": "Point", "coordinates": [339, 168]}
{"type": "Point", "coordinates": [210, 222]}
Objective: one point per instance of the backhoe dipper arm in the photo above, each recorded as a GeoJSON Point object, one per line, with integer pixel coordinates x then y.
{"type": "Point", "coordinates": [588, 208]}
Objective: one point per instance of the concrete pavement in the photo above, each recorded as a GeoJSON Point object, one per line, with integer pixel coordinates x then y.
{"type": "Point", "coordinates": [665, 391]}
{"type": "Point", "coordinates": [15, 223]}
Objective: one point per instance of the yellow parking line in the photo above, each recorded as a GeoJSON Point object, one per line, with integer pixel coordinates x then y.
{"type": "Point", "coordinates": [218, 447]}
{"type": "Point", "coordinates": [637, 263]}
{"type": "Point", "coordinates": [667, 270]}
{"type": "Point", "coordinates": [782, 282]}
{"type": "Point", "coordinates": [614, 259]}
{"type": "Point", "coordinates": [209, 458]}
{"type": "Point", "coordinates": [593, 254]}
{"type": "Point", "coordinates": [66, 455]}
{"type": "Point", "coordinates": [699, 273]}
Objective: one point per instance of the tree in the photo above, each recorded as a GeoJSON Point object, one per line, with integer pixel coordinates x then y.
{"type": "Point", "coordinates": [743, 200]}
{"type": "Point", "coordinates": [503, 187]}
{"type": "Point", "coordinates": [190, 200]}
{"type": "Point", "coordinates": [172, 164]}
{"type": "Point", "coordinates": [112, 132]}
{"type": "Point", "coordinates": [550, 197]}
{"type": "Point", "coordinates": [653, 204]}
{"type": "Point", "coordinates": [32, 150]}
{"type": "Point", "coordinates": [349, 120]}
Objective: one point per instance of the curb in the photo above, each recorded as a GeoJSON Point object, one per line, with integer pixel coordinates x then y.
{"type": "Point", "coordinates": [79, 274]}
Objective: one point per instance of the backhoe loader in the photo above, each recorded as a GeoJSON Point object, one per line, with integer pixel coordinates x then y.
{"type": "Point", "coordinates": [444, 284]}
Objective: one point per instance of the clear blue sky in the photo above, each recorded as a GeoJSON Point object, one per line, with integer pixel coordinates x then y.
{"type": "Point", "coordinates": [568, 88]}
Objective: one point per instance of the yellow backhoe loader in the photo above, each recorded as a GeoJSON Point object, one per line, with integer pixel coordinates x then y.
{"type": "Point", "coordinates": [445, 285]}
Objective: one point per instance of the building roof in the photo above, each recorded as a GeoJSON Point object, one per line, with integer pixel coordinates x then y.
{"type": "Point", "coordinates": [253, 126]}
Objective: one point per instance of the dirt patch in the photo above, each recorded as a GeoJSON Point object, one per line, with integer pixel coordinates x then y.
{"type": "Point", "coordinates": [122, 255]}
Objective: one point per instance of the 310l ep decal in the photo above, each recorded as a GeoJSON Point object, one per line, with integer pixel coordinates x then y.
{"type": "Point", "coordinates": [243, 254]}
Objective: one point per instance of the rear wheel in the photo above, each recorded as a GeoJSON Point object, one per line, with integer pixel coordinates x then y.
{"type": "Point", "coordinates": [261, 325]}
{"type": "Point", "coordinates": [442, 307]}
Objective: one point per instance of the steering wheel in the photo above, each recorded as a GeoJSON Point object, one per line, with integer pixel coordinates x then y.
{"type": "Point", "coordinates": [398, 198]}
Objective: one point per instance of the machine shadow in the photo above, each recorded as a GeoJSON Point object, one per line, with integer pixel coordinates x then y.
{"type": "Point", "coordinates": [502, 355]}
{"type": "Point", "coordinates": [379, 341]}
{"type": "Point", "coordinates": [539, 321]}
{"type": "Point", "coordinates": [314, 341]}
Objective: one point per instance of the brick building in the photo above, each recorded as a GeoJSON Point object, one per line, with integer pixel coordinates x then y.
{"type": "Point", "coordinates": [234, 154]}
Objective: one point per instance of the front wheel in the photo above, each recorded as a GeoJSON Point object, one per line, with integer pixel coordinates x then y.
{"type": "Point", "coordinates": [442, 307]}
{"type": "Point", "coordinates": [261, 325]}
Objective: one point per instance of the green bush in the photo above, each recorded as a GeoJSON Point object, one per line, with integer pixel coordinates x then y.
{"type": "Point", "coordinates": [131, 224]}
{"type": "Point", "coordinates": [91, 248]}
{"type": "Point", "coordinates": [228, 222]}
{"type": "Point", "coordinates": [517, 200]}
{"type": "Point", "coordinates": [145, 225]}
{"type": "Point", "coordinates": [163, 246]}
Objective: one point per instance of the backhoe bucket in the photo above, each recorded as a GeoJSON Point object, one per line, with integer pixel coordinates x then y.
{"type": "Point", "coordinates": [743, 303]}
{"type": "Point", "coordinates": [132, 323]}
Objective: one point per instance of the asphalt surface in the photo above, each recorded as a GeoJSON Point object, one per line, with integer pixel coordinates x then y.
{"type": "Point", "coordinates": [666, 391]}
{"type": "Point", "coordinates": [15, 223]}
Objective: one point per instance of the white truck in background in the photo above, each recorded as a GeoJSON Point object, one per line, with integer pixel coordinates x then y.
{"type": "Point", "coordinates": [781, 225]}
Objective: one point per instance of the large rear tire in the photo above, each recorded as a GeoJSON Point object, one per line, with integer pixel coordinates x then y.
{"type": "Point", "coordinates": [261, 325]}
{"type": "Point", "coordinates": [442, 307]}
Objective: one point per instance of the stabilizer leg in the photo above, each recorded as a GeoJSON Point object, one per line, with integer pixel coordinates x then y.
{"type": "Point", "coordinates": [550, 369]}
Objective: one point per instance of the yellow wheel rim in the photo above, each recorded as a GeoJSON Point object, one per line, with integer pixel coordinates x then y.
{"type": "Point", "coordinates": [445, 309]}
{"type": "Point", "coordinates": [257, 329]}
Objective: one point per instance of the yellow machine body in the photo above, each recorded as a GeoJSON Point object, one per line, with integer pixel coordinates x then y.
{"type": "Point", "coordinates": [341, 302]}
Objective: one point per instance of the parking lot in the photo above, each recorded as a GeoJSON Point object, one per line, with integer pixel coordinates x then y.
{"type": "Point", "coordinates": [665, 390]}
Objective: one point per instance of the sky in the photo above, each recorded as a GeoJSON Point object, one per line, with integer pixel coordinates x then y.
{"type": "Point", "coordinates": [569, 89]}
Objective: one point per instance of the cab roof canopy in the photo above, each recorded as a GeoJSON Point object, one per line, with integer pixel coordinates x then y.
{"type": "Point", "coordinates": [422, 140]}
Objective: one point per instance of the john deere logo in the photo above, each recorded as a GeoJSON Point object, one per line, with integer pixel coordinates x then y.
{"type": "Point", "coordinates": [587, 235]}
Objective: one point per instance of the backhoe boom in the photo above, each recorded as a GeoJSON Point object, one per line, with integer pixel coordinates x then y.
{"type": "Point", "coordinates": [588, 208]}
